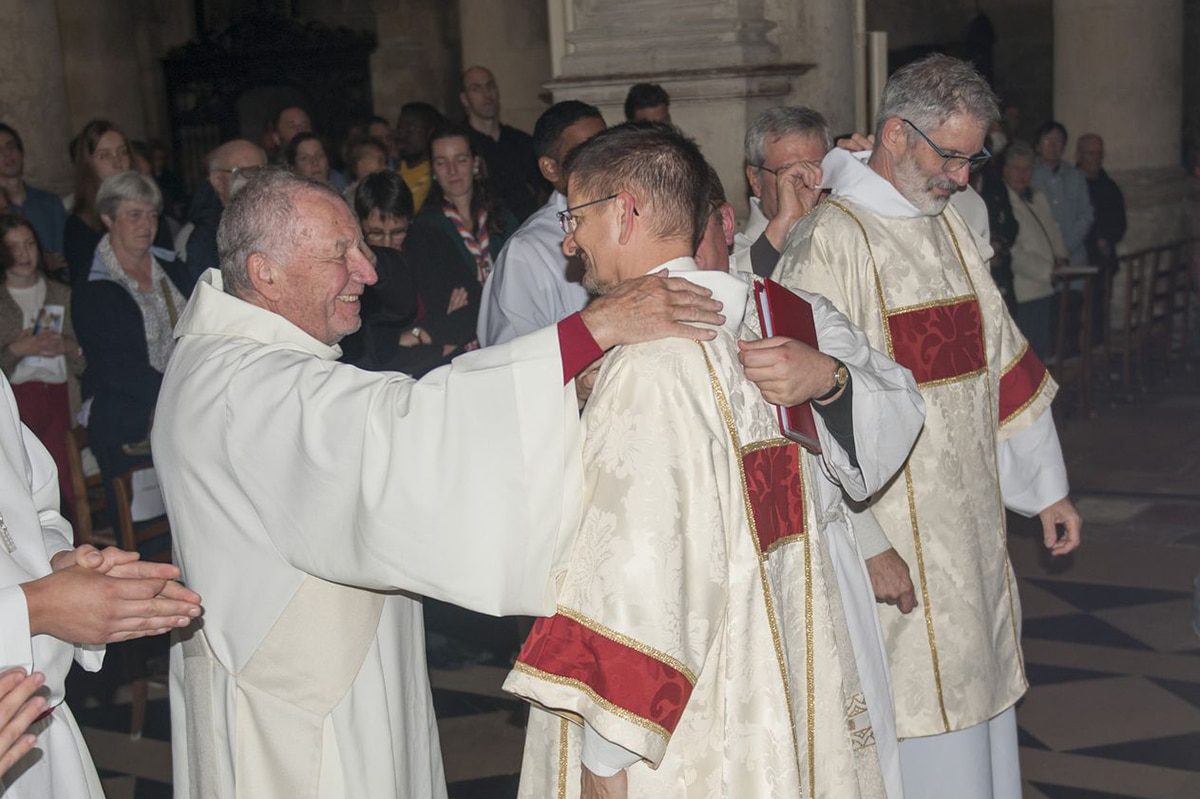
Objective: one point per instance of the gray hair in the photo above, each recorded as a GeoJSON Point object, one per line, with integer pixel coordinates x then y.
{"type": "Point", "coordinates": [123, 187]}
{"type": "Point", "coordinates": [260, 218]}
{"type": "Point", "coordinates": [780, 121]}
{"type": "Point", "coordinates": [930, 91]}
{"type": "Point", "coordinates": [1019, 148]}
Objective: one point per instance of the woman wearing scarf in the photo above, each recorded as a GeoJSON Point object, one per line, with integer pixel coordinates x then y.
{"type": "Point", "coordinates": [454, 241]}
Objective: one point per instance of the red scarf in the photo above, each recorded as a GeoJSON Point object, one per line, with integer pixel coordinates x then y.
{"type": "Point", "coordinates": [477, 242]}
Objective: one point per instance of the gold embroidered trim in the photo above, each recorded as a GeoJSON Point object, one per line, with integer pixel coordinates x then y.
{"type": "Point", "coordinates": [777, 543]}
{"type": "Point", "coordinates": [883, 309]}
{"type": "Point", "coordinates": [1024, 405]}
{"type": "Point", "coordinates": [1015, 361]}
{"type": "Point", "coordinates": [924, 306]}
{"type": "Point", "coordinates": [624, 640]}
{"type": "Point", "coordinates": [933, 650]}
{"type": "Point", "coordinates": [945, 381]}
{"type": "Point", "coordinates": [604, 704]}
{"type": "Point", "coordinates": [562, 759]}
{"type": "Point", "coordinates": [731, 429]}
{"type": "Point", "coordinates": [767, 444]}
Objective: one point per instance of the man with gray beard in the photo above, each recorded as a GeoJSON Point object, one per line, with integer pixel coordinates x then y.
{"type": "Point", "coordinates": [892, 254]}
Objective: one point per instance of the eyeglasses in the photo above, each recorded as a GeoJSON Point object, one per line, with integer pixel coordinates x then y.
{"type": "Point", "coordinates": [953, 163]}
{"type": "Point", "coordinates": [567, 218]}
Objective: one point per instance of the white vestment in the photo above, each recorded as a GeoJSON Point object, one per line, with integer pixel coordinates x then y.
{"type": "Point", "coordinates": [307, 498]}
{"type": "Point", "coordinates": [700, 624]}
{"type": "Point", "coordinates": [33, 531]}
{"type": "Point", "coordinates": [923, 294]}
{"type": "Point", "coordinates": [530, 287]}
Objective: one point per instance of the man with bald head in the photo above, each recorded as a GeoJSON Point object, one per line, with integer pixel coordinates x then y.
{"type": "Point", "coordinates": [507, 152]}
{"type": "Point", "coordinates": [1108, 206]}
{"type": "Point", "coordinates": [211, 199]}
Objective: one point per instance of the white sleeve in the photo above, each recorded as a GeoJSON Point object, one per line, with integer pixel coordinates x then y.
{"type": "Point", "coordinates": [1033, 475]}
{"type": "Point", "coordinates": [888, 410]}
{"type": "Point", "coordinates": [601, 756]}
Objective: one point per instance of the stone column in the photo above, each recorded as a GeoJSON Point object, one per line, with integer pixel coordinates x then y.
{"type": "Point", "coordinates": [722, 62]}
{"type": "Point", "coordinates": [34, 100]}
{"type": "Point", "coordinates": [417, 57]}
{"type": "Point", "coordinates": [1118, 72]}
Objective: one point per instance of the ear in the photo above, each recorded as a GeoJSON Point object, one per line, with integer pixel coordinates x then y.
{"type": "Point", "coordinates": [264, 276]}
{"type": "Point", "coordinates": [107, 220]}
{"type": "Point", "coordinates": [728, 224]}
{"type": "Point", "coordinates": [627, 207]}
{"type": "Point", "coordinates": [754, 178]}
{"type": "Point", "coordinates": [549, 169]}
{"type": "Point", "coordinates": [894, 137]}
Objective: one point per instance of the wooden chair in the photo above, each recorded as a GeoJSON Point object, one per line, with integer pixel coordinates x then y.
{"type": "Point", "coordinates": [1125, 334]}
{"type": "Point", "coordinates": [90, 498]}
{"type": "Point", "coordinates": [153, 535]}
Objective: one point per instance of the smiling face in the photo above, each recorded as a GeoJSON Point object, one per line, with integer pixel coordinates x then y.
{"type": "Point", "coordinates": [594, 239]}
{"type": "Point", "coordinates": [919, 174]}
{"type": "Point", "coordinates": [23, 252]}
{"type": "Point", "coordinates": [111, 155]}
{"type": "Point", "coordinates": [454, 167]}
{"type": "Point", "coordinates": [132, 229]}
{"type": "Point", "coordinates": [322, 280]}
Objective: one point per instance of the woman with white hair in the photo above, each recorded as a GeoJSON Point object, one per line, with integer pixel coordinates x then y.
{"type": "Point", "coordinates": [124, 315]}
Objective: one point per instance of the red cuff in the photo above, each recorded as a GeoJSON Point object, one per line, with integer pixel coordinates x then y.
{"type": "Point", "coordinates": [576, 345]}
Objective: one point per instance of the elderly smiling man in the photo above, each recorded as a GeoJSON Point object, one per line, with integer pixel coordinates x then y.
{"type": "Point", "coordinates": [308, 497]}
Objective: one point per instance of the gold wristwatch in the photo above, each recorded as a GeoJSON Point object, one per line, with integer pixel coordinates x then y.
{"type": "Point", "coordinates": [841, 376]}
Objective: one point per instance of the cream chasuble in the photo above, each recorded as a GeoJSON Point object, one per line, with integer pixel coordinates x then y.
{"type": "Point", "coordinates": [306, 499]}
{"type": "Point", "coordinates": [31, 532]}
{"type": "Point", "coordinates": [700, 623]}
{"type": "Point", "coordinates": [919, 289]}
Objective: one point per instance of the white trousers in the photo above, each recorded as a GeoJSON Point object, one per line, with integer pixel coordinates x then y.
{"type": "Point", "coordinates": [980, 762]}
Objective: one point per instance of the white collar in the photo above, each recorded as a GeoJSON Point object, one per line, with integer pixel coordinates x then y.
{"type": "Point", "coordinates": [850, 178]}
{"type": "Point", "coordinates": [212, 312]}
{"type": "Point", "coordinates": [756, 223]}
{"type": "Point", "coordinates": [730, 290]}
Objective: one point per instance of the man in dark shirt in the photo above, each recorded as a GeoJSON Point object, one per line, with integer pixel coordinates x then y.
{"type": "Point", "coordinates": [508, 152]}
{"type": "Point", "coordinates": [211, 198]}
{"type": "Point", "coordinates": [44, 210]}
{"type": "Point", "coordinates": [1108, 225]}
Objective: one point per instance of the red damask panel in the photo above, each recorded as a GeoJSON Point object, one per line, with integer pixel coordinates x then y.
{"type": "Point", "coordinates": [1020, 384]}
{"type": "Point", "coordinates": [941, 342]}
{"type": "Point", "coordinates": [776, 492]}
{"type": "Point", "coordinates": [629, 679]}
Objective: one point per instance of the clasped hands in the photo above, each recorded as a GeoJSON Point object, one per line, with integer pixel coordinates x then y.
{"type": "Point", "coordinates": [98, 597]}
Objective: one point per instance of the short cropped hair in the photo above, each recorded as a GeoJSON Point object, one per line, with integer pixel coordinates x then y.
{"type": "Point", "coordinates": [425, 112]}
{"type": "Point", "coordinates": [555, 120]}
{"type": "Point", "coordinates": [716, 190]}
{"type": "Point", "coordinates": [644, 95]}
{"type": "Point", "coordinates": [385, 192]}
{"type": "Point", "coordinates": [660, 166]}
{"type": "Point", "coordinates": [1018, 148]}
{"type": "Point", "coordinates": [261, 217]}
{"type": "Point", "coordinates": [780, 121]}
{"type": "Point", "coordinates": [931, 90]}
{"type": "Point", "coordinates": [16, 137]}
{"type": "Point", "coordinates": [131, 186]}
{"type": "Point", "coordinates": [1048, 127]}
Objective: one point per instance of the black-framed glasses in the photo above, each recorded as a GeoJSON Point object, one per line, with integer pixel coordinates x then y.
{"type": "Point", "coordinates": [567, 218]}
{"type": "Point", "coordinates": [951, 162]}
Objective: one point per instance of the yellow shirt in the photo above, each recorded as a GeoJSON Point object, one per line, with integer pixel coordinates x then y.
{"type": "Point", "coordinates": [419, 180]}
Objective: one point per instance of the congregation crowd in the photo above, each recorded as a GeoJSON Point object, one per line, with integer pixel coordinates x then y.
{"type": "Point", "coordinates": [446, 250]}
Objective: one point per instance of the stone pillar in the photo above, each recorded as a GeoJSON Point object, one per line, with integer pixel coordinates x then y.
{"type": "Point", "coordinates": [417, 57]}
{"type": "Point", "coordinates": [512, 39]}
{"type": "Point", "coordinates": [34, 100]}
{"type": "Point", "coordinates": [722, 62]}
{"type": "Point", "coordinates": [1118, 72]}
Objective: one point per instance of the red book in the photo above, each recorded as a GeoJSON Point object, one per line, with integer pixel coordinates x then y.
{"type": "Point", "coordinates": [783, 313]}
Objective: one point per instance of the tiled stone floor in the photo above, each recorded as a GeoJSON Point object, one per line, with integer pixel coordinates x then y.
{"type": "Point", "coordinates": [1114, 705]}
